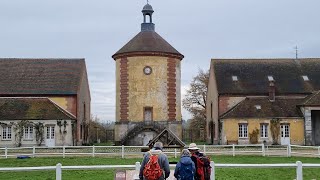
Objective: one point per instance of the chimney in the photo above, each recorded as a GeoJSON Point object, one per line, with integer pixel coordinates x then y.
{"type": "Point", "coordinates": [272, 91]}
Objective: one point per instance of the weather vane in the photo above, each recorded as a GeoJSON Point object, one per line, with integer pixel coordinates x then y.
{"type": "Point", "coordinates": [147, 1]}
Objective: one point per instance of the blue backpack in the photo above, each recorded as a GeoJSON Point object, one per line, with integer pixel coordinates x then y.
{"type": "Point", "coordinates": [185, 172]}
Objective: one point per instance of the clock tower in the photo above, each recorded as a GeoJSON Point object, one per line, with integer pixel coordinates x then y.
{"type": "Point", "coordinates": [148, 86]}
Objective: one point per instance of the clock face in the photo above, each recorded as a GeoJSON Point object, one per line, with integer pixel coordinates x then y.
{"type": "Point", "coordinates": [147, 70]}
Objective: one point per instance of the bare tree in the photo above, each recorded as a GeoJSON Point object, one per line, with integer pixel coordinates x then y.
{"type": "Point", "coordinates": [195, 99]}
{"type": "Point", "coordinates": [98, 129]}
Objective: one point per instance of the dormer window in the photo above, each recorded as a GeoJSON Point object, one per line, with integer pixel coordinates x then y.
{"type": "Point", "coordinates": [305, 78]}
{"type": "Point", "coordinates": [258, 107]}
{"type": "Point", "coordinates": [234, 78]}
{"type": "Point", "coordinates": [270, 78]}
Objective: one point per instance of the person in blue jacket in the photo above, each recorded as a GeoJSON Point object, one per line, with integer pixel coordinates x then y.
{"type": "Point", "coordinates": [185, 168]}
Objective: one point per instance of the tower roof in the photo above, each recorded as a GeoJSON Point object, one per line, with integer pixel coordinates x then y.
{"type": "Point", "coordinates": [147, 8]}
{"type": "Point", "coordinates": [147, 42]}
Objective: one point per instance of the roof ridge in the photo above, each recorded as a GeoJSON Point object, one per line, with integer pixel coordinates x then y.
{"type": "Point", "coordinates": [221, 59]}
{"type": "Point", "coordinates": [42, 58]}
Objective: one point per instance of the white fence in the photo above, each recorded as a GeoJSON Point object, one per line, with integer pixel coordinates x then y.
{"type": "Point", "coordinates": [58, 168]}
{"type": "Point", "coordinates": [127, 151]}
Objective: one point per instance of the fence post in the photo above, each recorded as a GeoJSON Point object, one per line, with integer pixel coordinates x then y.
{"type": "Point", "coordinates": [122, 151]}
{"type": "Point", "coordinates": [93, 150]}
{"type": "Point", "coordinates": [136, 176]}
{"type": "Point", "coordinates": [289, 150]}
{"type": "Point", "coordinates": [233, 150]}
{"type": "Point", "coordinates": [299, 170]}
{"type": "Point", "coordinates": [33, 151]}
{"type": "Point", "coordinates": [267, 152]}
{"type": "Point", "coordinates": [213, 171]}
{"type": "Point", "coordinates": [204, 149]}
{"type": "Point", "coordinates": [138, 166]}
{"type": "Point", "coordinates": [6, 152]}
{"type": "Point", "coordinates": [175, 153]}
{"type": "Point", "coordinates": [319, 151]}
{"type": "Point", "coordinates": [263, 150]}
{"type": "Point", "coordinates": [58, 172]}
{"type": "Point", "coordinates": [63, 151]}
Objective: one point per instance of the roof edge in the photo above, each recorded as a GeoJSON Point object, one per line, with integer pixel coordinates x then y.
{"type": "Point", "coordinates": [67, 113]}
{"type": "Point", "coordinates": [222, 59]}
{"type": "Point", "coordinates": [151, 53]}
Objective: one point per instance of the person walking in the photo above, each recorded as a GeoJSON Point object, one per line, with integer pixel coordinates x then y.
{"type": "Point", "coordinates": [185, 169]}
{"type": "Point", "coordinates": [155, 164]}
{"type": "Point", "coordinates": [201, 162]}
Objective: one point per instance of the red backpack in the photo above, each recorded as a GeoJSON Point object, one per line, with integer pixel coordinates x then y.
{"type": "Point", "coordinates": [203, 167]}
{"type": "Point", "coordinates": [152, 170]}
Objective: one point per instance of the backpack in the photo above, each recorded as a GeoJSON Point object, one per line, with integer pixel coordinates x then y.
{"type": "Point", "coordinates": [185, 172]}
{"type": "Point", "coordinates": [203, 167]}
{"type": "Point", "coordinates": [152, 170]}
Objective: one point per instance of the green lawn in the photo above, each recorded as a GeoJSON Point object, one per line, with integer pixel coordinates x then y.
{"type": "Point", "coordinates": [276, 173]}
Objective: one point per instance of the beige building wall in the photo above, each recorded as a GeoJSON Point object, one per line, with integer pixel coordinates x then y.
{"type": "Point", "coordinates": [231, 130]}
{"type": "Point", "coordinates": [148, 90]}
{"type": "Point", "coordinates": [117, 90]}
{"type": "Point", "coordinates": [212, 107]}
{"type": "Point", "coordinates": [61, 139]}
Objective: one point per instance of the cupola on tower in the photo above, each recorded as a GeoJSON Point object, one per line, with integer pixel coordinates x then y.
{"type": "Point", "coordinates": [148, 83]}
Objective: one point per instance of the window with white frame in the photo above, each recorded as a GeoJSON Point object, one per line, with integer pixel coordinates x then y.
{"type": "Point", "coordinates": [305, 78]}
{"type": "Point", "coordinates": [234, 78]}
{"type": "Point", "coordinates": [263, 130]}
{"type": "Point", "coordinates": [6, 133]}
{"type": "Point", "coordinates": [270, 78]}
{"type": "Point", "coordinates": [243, 130]}
{"type": "Point", "coordinates": [28, 133]}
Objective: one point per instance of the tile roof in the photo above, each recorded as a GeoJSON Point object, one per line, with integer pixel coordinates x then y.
{"type": "Point", "coordinates": [312, 100]}
{"type": "Point", "coordinates": [40, 76]}
{"type": "Point", "coordinates": [279, 108]}
{"type": "Point", "coordinates": [253, 75]}
{"type": "Point", "coordinates": [147, 41]}
{"type": "Point", "coordinates": [32, 109]}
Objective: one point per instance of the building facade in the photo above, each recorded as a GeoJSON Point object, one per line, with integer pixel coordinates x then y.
{"type": "Point", "coordinates": [148, 80]}
{"type": "Point", "coordinates": [63, 82]}
{"type": "Point", "coordinates": [247, 94]}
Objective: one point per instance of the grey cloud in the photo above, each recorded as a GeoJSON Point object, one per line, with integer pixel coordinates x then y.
{"type": "Point", "coordinates": [200, 30]}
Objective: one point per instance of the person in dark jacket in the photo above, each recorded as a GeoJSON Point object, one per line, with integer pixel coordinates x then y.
{"type": "Point", "coordinates": [185, 163]}
{"type": "Point", "coordinates": [162, 160]}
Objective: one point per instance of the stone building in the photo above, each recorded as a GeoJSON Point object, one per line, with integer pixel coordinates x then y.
{"type": "Point", "coordinates": [148, 80]}
{"type": "Point", "coordinates": [247, 94]}
{"type": "Point", "coordinates": [30, 88]}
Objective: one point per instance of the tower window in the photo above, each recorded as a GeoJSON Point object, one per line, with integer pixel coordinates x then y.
{"type": "Point", "coordinates": [270, 78]}
{"type": "Point", "coordinates": [305, 78]}
{"type": "Point", "coordinates": [234, 78]}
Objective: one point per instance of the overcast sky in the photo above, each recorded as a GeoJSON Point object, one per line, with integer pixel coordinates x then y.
{"type": "Point", "coordinates": [200, 30]}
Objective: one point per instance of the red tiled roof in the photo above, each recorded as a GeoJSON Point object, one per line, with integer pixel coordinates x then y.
{"type": "Point", "coordinates": [40, 76]}
{"type": "Point", "coordinates": [32, 109]}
